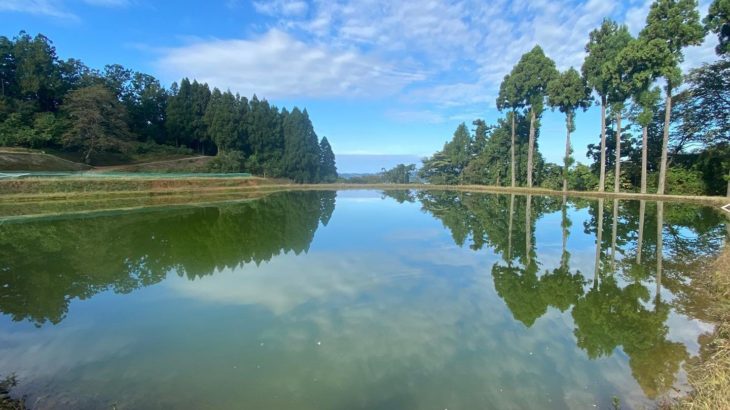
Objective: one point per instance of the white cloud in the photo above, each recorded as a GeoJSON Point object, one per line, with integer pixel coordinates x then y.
{"type": "Point", "coordinates": [451, 54]}
{"type": "Point", "coordinates": [278, 65]}
{"type": "Point", "coordinates": [38, 7]}
{"type": "Point", "coordinates": [54, 8]}
{"type": "Point", "coordinates": [108, 3]}
{"type": "Point", "coordinates": [287, 8]}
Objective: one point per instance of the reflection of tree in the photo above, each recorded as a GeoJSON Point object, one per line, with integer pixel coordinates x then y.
{"type": "Point", "coordinates": [609, 316]}
{"type": "Point", "coordinates": [486, 219]}
{"type": "Point", "coordinates": [616, 311]}
{"type": "Point", "coordinates": [44, 264]}
{"type": "Point", "coordinates": [400, 195]}
{"type": "Point", "coordinates": [528, 296]}
{"type": "Point", "coordinates": [520, 290]}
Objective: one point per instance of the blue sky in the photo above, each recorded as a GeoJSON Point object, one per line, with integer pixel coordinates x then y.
{"type": "Point", "coordinates": [379, 78]}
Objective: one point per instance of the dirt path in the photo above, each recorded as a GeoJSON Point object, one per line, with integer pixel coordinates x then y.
{"type": "Point", "coordinates": [146, 164]}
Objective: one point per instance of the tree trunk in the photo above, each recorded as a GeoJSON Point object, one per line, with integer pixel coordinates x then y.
{"type": "Point", "coordinates": [617, 169]}
{"type": "Point", "coordinates": [599, 239]}
{"type": "Point", "coordinates": [728, 186]}
{"type": "Point", "coordinates": [513, 150]}
{"type": "Point", "coordinates": [87, 157]}
{"type": "Point", "coordinates": [640, 241]}
{"type": "Point", "coordinates": [659, 245]}
{"type": "Point", "coordinates": [665, 142]}
{"type": "Point", "coordinates": [530, 148]}
{"type": "Point", "coordinates": [644, 149]}
{"type": "Point", "coordinates": [602, 179]}
{"type": "Point", "coordinates": [567, 155]}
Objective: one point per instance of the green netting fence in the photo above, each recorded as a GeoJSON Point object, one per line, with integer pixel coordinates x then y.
{"type": "Point", "coordinates": [149, 175]}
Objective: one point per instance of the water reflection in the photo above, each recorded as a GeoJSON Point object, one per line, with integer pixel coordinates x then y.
{"type": "Point", "coordinates": [616, 310]}
{"type": "Point", "coordinates": [388, 314]}
{"type": "Point", "coordinates": [45, 264]}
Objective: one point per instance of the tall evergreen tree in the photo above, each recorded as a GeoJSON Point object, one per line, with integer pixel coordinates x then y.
{"type": "Point", "coordinates": [481, 132]}
{"type": "Point", "coordinates": [638, 65]}
{"type": "Point", "coordinates": [179, 113]}
{"type": "Point", "coordinates": [603, 46]}
{"type": "Point", "coordinates": [677, 23]}
{"type": "Point", "coordinates": [199, 97]}
{"type": "Point", "coordinates": [301, 152]}
{"type": "Point", "coordinates": [327, 167]}
{"type": "Point", "coordinates": [509, 99]}
{"type": "Point", "coordinates": [619, 92]}
{"type": "Point", "coordinates": [568, 92]}
{"type": "Point", "coordinates": [533, 73]}
{"type": "Point", "coordinates": [222, 121]}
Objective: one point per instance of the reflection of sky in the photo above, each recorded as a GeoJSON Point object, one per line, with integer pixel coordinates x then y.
{"type": "Point", "coordinates": [384, 311]}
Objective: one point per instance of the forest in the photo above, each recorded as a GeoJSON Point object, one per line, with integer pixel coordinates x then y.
{"type": "Point", "coordinates": [674, 139]}
{"type": "Point", "coordinates": [63, 105]}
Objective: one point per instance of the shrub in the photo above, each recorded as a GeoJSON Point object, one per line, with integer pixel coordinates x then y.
{"type": "Point", "coordinates": [683, 181]}
{"type": "Point", "coordinates": [227, 162]}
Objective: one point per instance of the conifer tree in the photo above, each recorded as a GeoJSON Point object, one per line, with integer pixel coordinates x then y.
{"type": "Point", "coordinates": [568, 92]}
{"type": "Point", "coordinates": [532, 74]}
{"type": "Point", "coordinates": [677, 23]}
{"type": "Point", "coordinates": [603, 46]}
{"type": "Point", "coordinates": [327, 167]}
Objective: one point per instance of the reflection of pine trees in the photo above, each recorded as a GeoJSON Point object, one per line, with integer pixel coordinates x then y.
{"type": "Point", "coordinates": [608, 315]}
{"type": "Point", "coordinates": [46, 264]}
{"type": "Point", "coordinates": [485, 219]}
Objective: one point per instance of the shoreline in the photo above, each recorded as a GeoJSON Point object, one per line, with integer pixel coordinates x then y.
{"type": "Point", "coordinates": [60, 189]}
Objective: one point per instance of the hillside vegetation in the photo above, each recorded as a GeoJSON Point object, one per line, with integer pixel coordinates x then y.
{"type": "Point", "coordinates": [115, 115]}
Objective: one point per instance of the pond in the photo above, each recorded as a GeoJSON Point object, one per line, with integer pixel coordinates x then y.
{"type": "Point", "coordinates": [357, 299]}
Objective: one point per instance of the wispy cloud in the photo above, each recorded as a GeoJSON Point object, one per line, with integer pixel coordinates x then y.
{"type": "Point", "coordinates": [55, 8]}
{"type": "Point", "coordinates": [38, 7]}
{"type": "Point", "coordinates": [108, 3]}
{"type": "Point", "coordinates": [282, 7]}
{"type": "Point", "coordinates": [278, 65]}
{"type": "Point", "coordinates": [436, 56]}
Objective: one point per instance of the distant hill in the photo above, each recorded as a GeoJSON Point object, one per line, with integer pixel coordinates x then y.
{"type": "Point", "coordinates": [365, 164]}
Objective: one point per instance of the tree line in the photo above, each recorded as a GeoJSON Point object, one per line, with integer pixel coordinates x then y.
{"type": "Point", "coordinates": [684, 142]}
{"type": "Point", "coordinates": [47, 102]}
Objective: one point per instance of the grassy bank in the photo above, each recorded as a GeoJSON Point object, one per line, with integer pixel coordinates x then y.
{"type": "Point", "coordinates": [31, 189]}
{"type": "Point", "coordinates": [709, 376]}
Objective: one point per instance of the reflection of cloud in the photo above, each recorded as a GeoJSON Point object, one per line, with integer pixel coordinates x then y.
{"type": "Point", "coordinates": [400, 235]}
{"type": "Point", "coordinates": [415, 322]}
{"type": "Point", "coordinates": [32, 356]}
{"type": "Point", "coordinates": [288, 281]}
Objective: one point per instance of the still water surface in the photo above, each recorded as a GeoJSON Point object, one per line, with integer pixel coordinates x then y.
{"type": "Point", "coordinates": [357, 299]}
